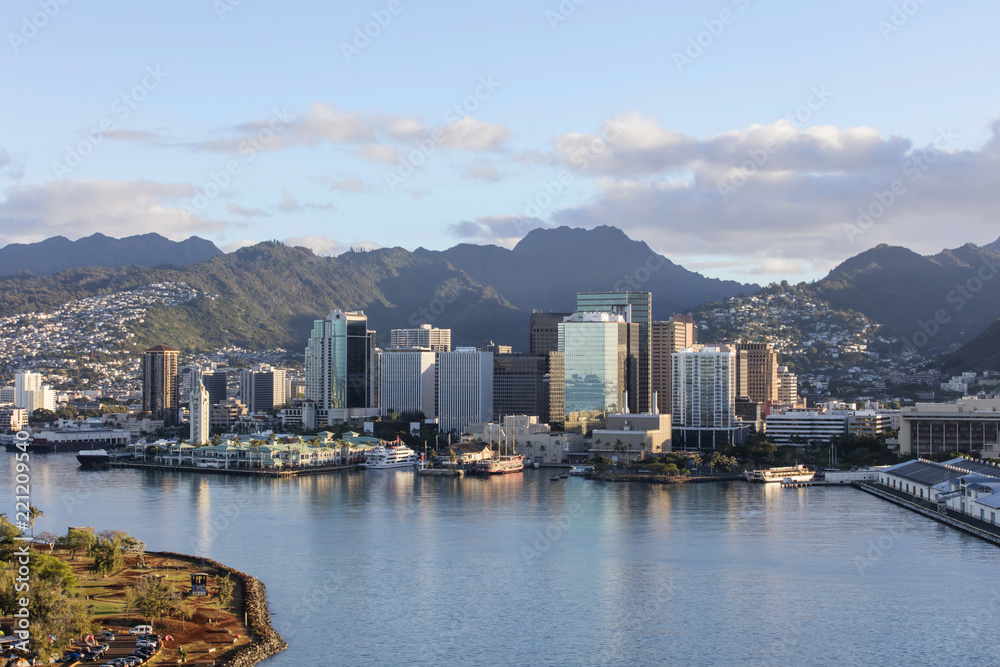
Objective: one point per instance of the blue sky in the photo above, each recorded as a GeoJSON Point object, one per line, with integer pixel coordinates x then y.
{"type": "Point", "coordinates": [744, 139]}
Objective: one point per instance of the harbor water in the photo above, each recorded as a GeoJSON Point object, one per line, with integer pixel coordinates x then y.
{"type": "Point", "coordinates": [388, 568]}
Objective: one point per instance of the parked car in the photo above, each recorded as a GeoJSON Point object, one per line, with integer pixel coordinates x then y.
{"type": "Point", "coordinates": [141, 630]}
{"type": "Point", "coordinates": [108, 635]}
{"type": "Point", "coordinates": [132, 661]}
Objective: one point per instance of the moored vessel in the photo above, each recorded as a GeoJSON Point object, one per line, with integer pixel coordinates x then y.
{"type": "Point", "coordinates": [391, 456]}
{"type": "Point", "coordinates": [501, 465]}
{"type": "Point", "coordinates": [797, 473]}
{"type": "Point", "coordinates": [93, 459]}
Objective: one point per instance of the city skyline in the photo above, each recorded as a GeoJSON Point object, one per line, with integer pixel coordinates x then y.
{"type": "Point", "coordinates": [193, 128]}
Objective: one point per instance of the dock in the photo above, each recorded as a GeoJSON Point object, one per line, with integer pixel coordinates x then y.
{"type": "Point", "coordinates": [440, 472]}
{"type": "Point", "coordinates": [245, 472]}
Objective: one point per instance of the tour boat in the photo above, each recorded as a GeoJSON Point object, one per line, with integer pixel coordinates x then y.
{"type": "Point", "coordinates": [501, 465]}
{"type": "Point", "coordinates": [391, 456]}
{"type": "Point", "coordinates": [797, 473]}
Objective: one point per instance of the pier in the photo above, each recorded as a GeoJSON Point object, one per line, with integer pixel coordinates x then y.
{"type": "Point", "coordinates": [951, 518]}
{"type": "Point", "coordinates": [246, 472]}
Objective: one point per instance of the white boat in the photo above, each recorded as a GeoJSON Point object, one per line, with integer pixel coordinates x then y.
{"type": "Point", "coordinates": [797, 473]}
{"type": "Point", "coordinates": [500, 466]}
{"type": "Point", "coordinates": [391, 456]}
{"type": "Point", "coordinates": [580, 471]}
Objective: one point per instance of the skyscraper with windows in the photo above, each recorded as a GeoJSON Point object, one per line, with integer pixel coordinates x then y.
{"type": "Point", "coordinates": [599, 362]}
{"type": "Point", "coordinates": [407, 381]}
{"type": "Point", "coordinates": [704, 395]}
{"type": "Point", "coordinates": [264, 388]}
{"type": "Point", "coordinates": [159, 383]}
{"type": "Point", "coordinates": [424, 337]}
{"type": "Point", "coordinates": [757, 372]}
{"type": "Point", "coordinates": [636, 308]}
{"type": "Point", "coordinates": [340, 365]}
{"type": "Point", "coordinates": [465, 389]}
{"type": "Point", "coordinates": [666, 338]}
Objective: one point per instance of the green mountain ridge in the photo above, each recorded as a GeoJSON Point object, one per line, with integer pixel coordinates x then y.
{"type": "Point", "coordinates": [266, 296]}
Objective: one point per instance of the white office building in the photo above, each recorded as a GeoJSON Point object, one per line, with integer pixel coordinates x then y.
{"type": "Point", "coordinates": [407, 381]}
{"type": "Point", "coordinates": [465, 389]}
{"type": "Point", "coordinates": [424, 337]}
{"type": "Point", "coordinates": [802, 427]}
{"type": "Point", "coordinates": [31, 394]}
{"type": "Point", "coordinates": [703, 404]}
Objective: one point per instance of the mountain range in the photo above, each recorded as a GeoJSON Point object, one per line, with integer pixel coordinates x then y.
{"type": "Point", "coordinates": [269, 294]}
{"type": "Point", "coordinates": [59, 253]}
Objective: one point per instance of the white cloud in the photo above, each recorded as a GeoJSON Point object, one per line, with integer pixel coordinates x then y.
{"type": "Point", "coordinates": [117, 208]}
{"type": "Point", "coordinates": [472, 135]}
{"type": "Point", "coordinates": [289, 204]}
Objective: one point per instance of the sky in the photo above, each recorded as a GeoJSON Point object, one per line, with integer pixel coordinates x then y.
{"type": "Point", "coordinates": [744, 139]}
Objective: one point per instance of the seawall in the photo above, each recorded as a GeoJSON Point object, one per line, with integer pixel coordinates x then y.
{"type": "Point", "coordinates": [265, 641]}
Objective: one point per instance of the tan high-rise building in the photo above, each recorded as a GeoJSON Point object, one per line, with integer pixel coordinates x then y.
{"type": "Point", "coordinates": [788, 386]}
{"type": "Point", "coordinates": [159, 383]}
{"type": "Point", "coordinates": [668, 337]}
{"type": "Point", "coordinates": [757, 372]}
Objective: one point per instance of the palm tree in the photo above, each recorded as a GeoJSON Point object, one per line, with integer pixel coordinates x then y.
{"type": "Point", "coordinates": [621, 447]}
{"type": "Point", "coordinates": [529, 445]}
{"type": "Point", "coordinates": [541, 448]}
{"type": "Point", "coordinates": [34, 513]}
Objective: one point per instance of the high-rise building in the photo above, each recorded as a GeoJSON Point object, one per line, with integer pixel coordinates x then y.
{"type": "Point", "coordinates": [544, 332]}
{"type": "Point", "coordinates": [667, 337]}
{"type": "Point", "coordinates": [757, 372]}
{"type": "Point", "coordinates": [200, 413]}
{"type": "Point", "coordinates": [704, 395]}
{"type": "Point", "coordinates": [26, 383]}
{"type": "Point", "coordinates": [216, 383]}
{"type": "Point", "coordinates": [528, 384]}
{"type": "Point", "coordinates": [788, 386]}
{"type": "Point", "coordinates": [7, 395]}
{"type": "Point", "coordinates": [465, 388]}
{"type": "Point", "coordinates": [264, 388]}
{"type": "Point", "coordinates": [423, 337]}
{"type": "Point", "coordinates": [599, 365]}
{"type": "Point", "coordinates": [159, 383]}
{"type": "Point", "coordinates": [496, 348]}
{"type": "Point", "coordinates": [340, 365]}
{"type": "Point", "coordinates": [636, 308]}
{"type": "Point", "coordinates": [407, 381]}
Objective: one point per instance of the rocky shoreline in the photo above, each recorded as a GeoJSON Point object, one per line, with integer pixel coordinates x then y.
{"type": "Point", "coordinates": [265, 641]}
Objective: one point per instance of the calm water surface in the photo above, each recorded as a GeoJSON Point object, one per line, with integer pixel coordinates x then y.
{"type": "Point", "coordinates": [386, 568]}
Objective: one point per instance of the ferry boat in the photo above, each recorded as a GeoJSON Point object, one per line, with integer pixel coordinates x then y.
{"type": "Point", "coordinates": [391, 456]}
{"type": "Point", "coordinates": [93, 459]}
{"type": "Point", "coordinates": [501, 465]}
{"type": "Point", "coordinates": [797, 473]}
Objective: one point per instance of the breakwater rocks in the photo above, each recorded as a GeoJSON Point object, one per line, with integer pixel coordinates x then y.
{"type": "Point", "coordinates": [265, 640]}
